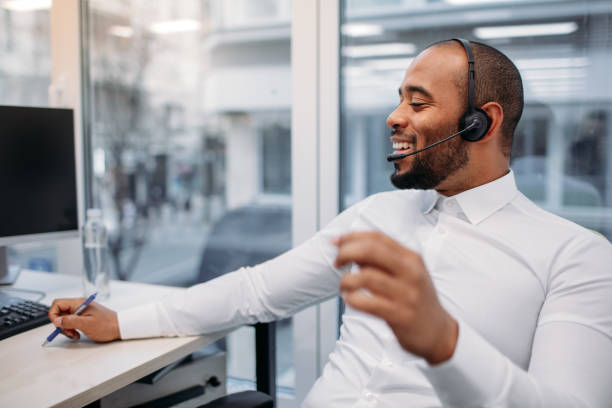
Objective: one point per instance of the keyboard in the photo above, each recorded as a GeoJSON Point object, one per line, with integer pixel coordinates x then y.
{"type": "Point", "coordinates": [18, 315]}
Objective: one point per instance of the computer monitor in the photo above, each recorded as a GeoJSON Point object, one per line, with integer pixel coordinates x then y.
{"type": "Point", "coordinates": [38, 187]}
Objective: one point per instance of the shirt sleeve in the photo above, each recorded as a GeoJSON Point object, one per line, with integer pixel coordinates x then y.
{"type": "Point", "coordinates": [269, 291]}
{"type": "Point", "coordinates": [571, 360]}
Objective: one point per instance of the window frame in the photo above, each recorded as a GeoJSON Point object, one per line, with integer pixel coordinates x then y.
{"type": "Point", "coordinates": [314, 141]}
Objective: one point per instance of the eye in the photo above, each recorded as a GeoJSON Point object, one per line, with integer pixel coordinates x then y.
{"type": "Point", "coordinates": [416, 104]}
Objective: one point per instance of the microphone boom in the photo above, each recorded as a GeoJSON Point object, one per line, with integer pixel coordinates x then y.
{"type": "Point", "coordinates": [400, 156]}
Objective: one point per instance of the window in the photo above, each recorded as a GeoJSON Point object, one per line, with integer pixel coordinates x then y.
{"type": "Point", "coordinates": [25, 73]}
{"type": "Point", "coordinates": [190, 144]}
{"type": "Point", "coordinates": [276, 169]}
{"type": "Point", "coordinates": [562, 157]}
{"type": "Point", "coordinates": [25, 76]}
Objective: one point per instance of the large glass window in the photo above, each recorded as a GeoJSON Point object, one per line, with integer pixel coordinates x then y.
{"type": "Point", "coordinates": [562, 157]}
{"type": "Point", "coordinates": [25, 76]}
{"type": "Point", "coordinates": [25, 72]}
{"type": "Point", "coordinates": [189, 105]}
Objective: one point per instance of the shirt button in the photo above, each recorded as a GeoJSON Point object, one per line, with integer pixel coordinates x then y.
{"type": "Point", "coordinates": [368, 396]}
{"type": "Point", "coordinates": [387, 362]}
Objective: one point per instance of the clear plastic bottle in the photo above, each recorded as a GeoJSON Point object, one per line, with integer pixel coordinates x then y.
{"type": "Point", "coordinates": [95, 255]}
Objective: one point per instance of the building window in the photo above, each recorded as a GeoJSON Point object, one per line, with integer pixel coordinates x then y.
{"type": "Point", "coordinates": [178, 93]}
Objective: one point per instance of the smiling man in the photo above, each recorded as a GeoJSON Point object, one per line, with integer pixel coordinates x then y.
{"type": "Point", "coordinates": [465, 293]}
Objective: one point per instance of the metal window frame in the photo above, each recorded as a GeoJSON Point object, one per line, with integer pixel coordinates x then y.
{"type": "Point", "coordinates": [315, 151]}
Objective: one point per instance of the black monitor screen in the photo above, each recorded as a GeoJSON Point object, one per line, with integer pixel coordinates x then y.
{"type": "Point", "coordinates": [37, 171]}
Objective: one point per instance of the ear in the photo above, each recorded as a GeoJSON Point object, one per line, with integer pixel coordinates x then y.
{"type": "Point", "coordinates": [496, 114]}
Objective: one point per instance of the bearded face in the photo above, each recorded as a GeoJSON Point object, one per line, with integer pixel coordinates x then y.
{"type": "Point", "coordinates": [429, 168]}
{"type": "Point", "coordinates": [431, 103]}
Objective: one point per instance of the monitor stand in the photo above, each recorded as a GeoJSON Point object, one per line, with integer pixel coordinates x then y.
{"type": "Point", "coordinates": [8, 273]}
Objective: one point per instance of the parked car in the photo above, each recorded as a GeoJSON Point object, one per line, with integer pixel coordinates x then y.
{"type": "Point", "coordinates": [245, 236]}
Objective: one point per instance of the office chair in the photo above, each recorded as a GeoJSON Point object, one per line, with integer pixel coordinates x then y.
{"type": "Point", "coordinates": [245, 399]}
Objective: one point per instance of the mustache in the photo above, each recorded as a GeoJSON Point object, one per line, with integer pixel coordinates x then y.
{"type": "Point", "coordinates": [395, 132]}
{"type": "Point", "coordinates": [412, 137]}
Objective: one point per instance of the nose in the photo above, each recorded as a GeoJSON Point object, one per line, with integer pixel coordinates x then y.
{"type": "Point", "coordinates": [398, 119]}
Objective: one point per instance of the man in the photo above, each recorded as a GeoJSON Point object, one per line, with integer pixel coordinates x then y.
{"type": "Point", "coordinates": [472, 295]}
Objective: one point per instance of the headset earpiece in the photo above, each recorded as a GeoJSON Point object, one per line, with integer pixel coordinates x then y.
{"type": "Point", "coordinates": [473, 115]}
{"type": "Point", "coordinates": [481, 121]}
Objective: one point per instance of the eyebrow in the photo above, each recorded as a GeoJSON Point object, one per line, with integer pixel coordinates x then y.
{"type": "Point", "coordinates": [415, 89]}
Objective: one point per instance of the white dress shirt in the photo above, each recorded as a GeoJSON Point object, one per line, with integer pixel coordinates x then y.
{"type": "Point", "coordinates": [532, 293]}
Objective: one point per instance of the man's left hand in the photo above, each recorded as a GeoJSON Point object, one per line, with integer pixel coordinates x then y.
{"type": "Point", "coordinates": [400, 291]}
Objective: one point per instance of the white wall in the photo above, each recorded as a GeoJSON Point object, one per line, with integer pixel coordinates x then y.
{"type": "Point", "coordinates": [249, 89]}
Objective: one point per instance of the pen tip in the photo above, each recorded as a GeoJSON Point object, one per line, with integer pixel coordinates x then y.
{"type": "Point", "coordinates": [44, 344]}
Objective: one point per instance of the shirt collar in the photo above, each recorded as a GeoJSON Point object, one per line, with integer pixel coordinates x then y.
{"type": "Point", "coordinates": [429, 199]}
{"type": "Point", "coordinates": [479, 202]}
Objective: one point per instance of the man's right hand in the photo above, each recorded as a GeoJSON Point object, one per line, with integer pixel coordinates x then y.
{"type": "Point", "coordinates": [96, 321]}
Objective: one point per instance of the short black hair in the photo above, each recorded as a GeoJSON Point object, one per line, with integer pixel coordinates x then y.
{"type": "Point", "coordinates": [497, 79]}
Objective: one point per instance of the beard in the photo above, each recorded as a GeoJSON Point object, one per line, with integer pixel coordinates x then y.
{"type": "Point", "coordinates": [430, 168]}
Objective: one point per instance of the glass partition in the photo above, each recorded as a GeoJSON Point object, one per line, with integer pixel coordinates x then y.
{"type": "Point", "coordinates": [190, 144]}
{"type": "Point", "coordinates": [561, 156]}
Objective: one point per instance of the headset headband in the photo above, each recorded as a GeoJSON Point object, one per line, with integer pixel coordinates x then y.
{"type": "Point", "coordinates": [471, 72]}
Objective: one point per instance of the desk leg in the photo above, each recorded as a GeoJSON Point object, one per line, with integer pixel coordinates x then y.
{"type": "Point", "coordinates": [265, 358]}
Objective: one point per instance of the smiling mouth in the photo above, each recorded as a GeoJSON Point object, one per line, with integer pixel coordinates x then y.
{"type": "Point", "coordinates": [404, 146]}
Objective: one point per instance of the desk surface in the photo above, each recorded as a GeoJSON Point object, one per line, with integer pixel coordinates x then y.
{"type": "Point", "coordinates": [70, 373]}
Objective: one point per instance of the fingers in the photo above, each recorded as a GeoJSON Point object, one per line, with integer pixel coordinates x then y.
{"type": "Point", "coordinates": [59, 314]}
{"type": "Point", "coordinates": [364, 248]}
{"type": "Point", "coordinates": [73, 334]}
{"type": "Point", "coordinates": [96, 322]}
{"type": "Point", "coordinates": [72, 322]}
{"type": "Point", "coordinates": [61, 307]}
{"type": "Point", "coordinates": [389, 298]}
{"type": "Point", "coordinates": [373, 280]}
{"type": "Point", "coordinates": [65, 322]}
{"type": "Point", "coordinates": [373, 248]}
{"type": "Point", "coordinates": [374, 305]}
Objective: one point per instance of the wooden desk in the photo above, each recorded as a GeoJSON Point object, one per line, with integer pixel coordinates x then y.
{"type": "Point", "coordinates": [70, 373]}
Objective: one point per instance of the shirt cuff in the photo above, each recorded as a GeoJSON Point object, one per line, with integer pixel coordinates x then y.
{"type": "Point", "coordinates": [139, 322]}
{"type": "Point", "coordinates": [476, 374]}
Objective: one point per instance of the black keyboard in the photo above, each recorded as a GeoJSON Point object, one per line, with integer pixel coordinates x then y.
{"type": "Point", "coordinates": [18, 315]}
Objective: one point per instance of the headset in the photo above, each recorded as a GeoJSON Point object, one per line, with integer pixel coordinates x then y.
{"type": "Point", "coordinates": [474, 123]}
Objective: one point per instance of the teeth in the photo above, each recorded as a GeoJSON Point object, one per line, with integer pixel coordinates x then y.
{"type": "Point", "coordinates": [401, 146]}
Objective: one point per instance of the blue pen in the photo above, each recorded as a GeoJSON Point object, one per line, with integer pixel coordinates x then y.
{"type": "Point", "coordinates": [76, 312]}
